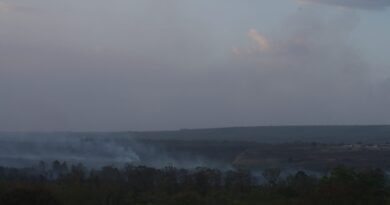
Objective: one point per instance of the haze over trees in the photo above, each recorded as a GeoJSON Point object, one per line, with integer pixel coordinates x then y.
{"type": "Point", "coordinates": [194, 102]}
{"type": "Point", "coordinates": [61, 184]}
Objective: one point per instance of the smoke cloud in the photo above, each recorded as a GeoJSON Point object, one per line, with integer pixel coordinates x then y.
{"type": "Point", "coordinates": [259, 39]}
{"type": "Point", "coordinates": [96, 150]}
{"type": "Point", "coordinates": [310, 73]}
{"type": "Point", "coordinates": [84, 65]}
{"type": "Point", "coordinates": [360, 4]}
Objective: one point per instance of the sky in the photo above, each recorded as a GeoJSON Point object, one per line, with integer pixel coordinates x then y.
{"type": "Point", "coordinates": [95, 65]}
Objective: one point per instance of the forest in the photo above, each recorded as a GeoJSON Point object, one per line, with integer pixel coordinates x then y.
{"type": "Point", "coordinates": [58, 183]}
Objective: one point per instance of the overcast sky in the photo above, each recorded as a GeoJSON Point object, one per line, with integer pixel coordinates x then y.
{"type": "Point", "coordinates": [98, 65]}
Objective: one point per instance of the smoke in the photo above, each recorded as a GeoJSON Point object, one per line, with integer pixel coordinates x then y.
{"type": "Point", "coordinates": [259, 39]}
{"type": "Point", "coordinates": [29, 149]}
{"type": "Point", "coordinates": [3, 7]}
{"type": "Point", "coordinates": [7, 7]}
{"type": "Point", "coordinates": [94, 150]}
{"type": "Point", "coordinates": [92, 66]}
{"type": "Point", "coordinates": [310, 73]}
{"type": "Point", "coordinates": [360, 4]}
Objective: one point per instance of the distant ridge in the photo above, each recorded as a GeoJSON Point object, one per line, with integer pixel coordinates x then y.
{"type": "Point", "coordinates": [278, 134]}
{"type": "Point", "coordinates": [262, 134]}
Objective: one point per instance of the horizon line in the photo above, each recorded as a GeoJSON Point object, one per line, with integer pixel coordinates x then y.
{"type": "Point", "coordinates": [192, 129]}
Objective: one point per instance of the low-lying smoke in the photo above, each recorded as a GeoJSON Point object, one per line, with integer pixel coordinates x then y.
{"type": "Point", "coordinates": [23, 150]}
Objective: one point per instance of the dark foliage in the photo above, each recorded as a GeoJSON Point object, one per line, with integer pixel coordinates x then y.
{"type": "Point", "coordinates": [60, 184]}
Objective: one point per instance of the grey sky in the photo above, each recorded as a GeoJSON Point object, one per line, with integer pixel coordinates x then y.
{"type": "Point", "coordinates": [148, 65]}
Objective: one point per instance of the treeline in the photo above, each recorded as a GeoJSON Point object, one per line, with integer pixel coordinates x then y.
{"type": "Point", "coordinates": [60, 184]}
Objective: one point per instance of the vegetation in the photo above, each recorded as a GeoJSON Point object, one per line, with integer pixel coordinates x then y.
{"type": "Point", "coordinates": [59, 184]}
